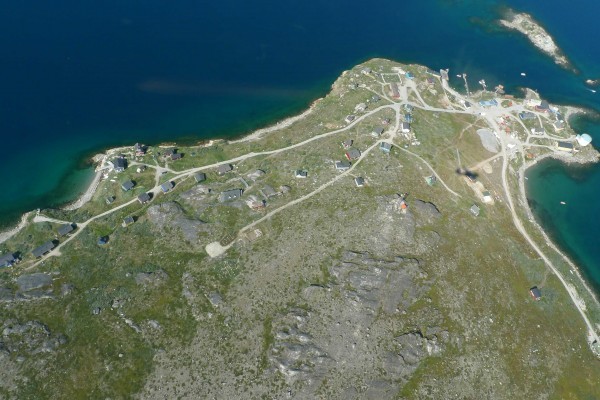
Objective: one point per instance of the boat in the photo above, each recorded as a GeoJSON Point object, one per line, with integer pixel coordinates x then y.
{"type": "Point", "coordinates": [523, 74]}
{"type": "Point", "coordinates": [563, 203]}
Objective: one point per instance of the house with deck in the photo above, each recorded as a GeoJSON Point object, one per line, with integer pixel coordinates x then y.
{"type": "Point", "coordinates": [127, 185]}
{"type": "Point", "coordinates": [43, 249]}
{"type": "Point", "coordinates": [143, 198]}
{"type": "Point", "coordinates": [200, 177]}
{"type": "Point", "coordinates": [65, 229]}
{"type": "Point", "coordinates": [353, 154]}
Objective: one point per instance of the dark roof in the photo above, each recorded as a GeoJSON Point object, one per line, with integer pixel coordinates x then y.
{"type": "Point", "coordinates": [102, 240]}
{"type": "Point", "coordinates": [230, 195]}
{"type": "Point", "coordinates": [342, 165]}
{"type": "Point", "coordinates": [475, 210]}
{"type": "Point", "coordinates": [128, 220]}
{"type": "Point", "coordinates": [110, 199]}
{"type": "Point", "coordinates": [7, 260]}
{"type": "Point", "coordinates": [353, 154]}
{"type": "Point", "coordinates": [43, 249]}
{"type": "Point", "coordinates": [223, 168]}
{"type": "Point", "coordinates": [301, 174]}
{"type": "Point", "coordinates": [359, 181]}
{"type": "Point", "coordinates": [166, 186]}
{"type": "Point", "coordinates": [526, 115]}
{"type": "Point", "coordinates": [176, 156]}
{"type": "Point", "coordinates": [64, 229]}
{"type": "Point", "coordinates": [405, 125]}
{"type": "Point", "coordinates": [385, 146]}
{"type": "Point", "coordinates": [169, 152]}
{"type": "Point", "coordinates": [544, 105]}
{"type": "Point", "coordinates": [144, 197]}
{"type": "Point", "coordinates": [120, 163]}
{"type": "Point", "coordinates": [127, 185]}
{"type": "Point", "coordinates": [378, 130]}
{"type": "Point", "coordinates": [200, 177]}
{"type": "Point", "coordinates": [565, 145]}
{"type": "Point", "coordinates": [535, 293]}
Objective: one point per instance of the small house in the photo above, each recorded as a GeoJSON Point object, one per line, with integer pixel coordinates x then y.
{"type": "Point", "coordinates": [533, 103]}
{"type": "Point", "coordinates": [409, 75]}
{"type": "Point", "coordinates": [342, 165]}
{"type": "Point", "coordinates": [230, 195]}
{"type": "Point", "coordinates": [405, 127]}
{"type": "Point", "coordinates": [102, 240]}
{"type": "Point", "coordinates": [143, 198]}
{"type": "Point", "coordinates": [375, 98]}
{"type": "Point", "coordinates": [127, 185]}
{"type": "Point", "coordinates": [7, 260]}
{"type": "Point", "coordinates": [352, 154]}
{"type": "Point", "coordinates": [385, 147]}
{"type": "Point", "coordinates": [430, 180]}
{"type": "Point", "coordinates": [378, 131]}
{"type": "Point", "coordinates": [558, 125]}
{"type": "Point", "coordinates": [467, 105]}
{"type": "Point", "coordinates": [430, 81]}
{"type": "Point", "coordinates": [139, 149]}
{"type": "Point", "coordinates": [487, 196]}
{"type": "Point", "coordinates": [535, 293]}
{"type": "Point", "coordinates": [543, 107]}
{"type": "Point", "coordinates": [359, 181]}
{"type": "Point", "coordinates": [128, 221]}
{"type": "Point", "coordinates": [347, 143]}
{"type": "Point", "coordinates": [475, 210]}
{"type": "Point", "coordinates": [366, 71]}
{"type": "Point", "coordinates": [301, 174]}
{"type": "Point", "coordinates": [176, 156]}
{"type": "Point", "coordinates": [169, 152]}
{"type": "Point", "coordinates": [141, 169]}
{"type": "Point", "coordinates": [110, 199]}
{"type": "Point", "coordinates": [525, 115]}
{"type": "Point", "coordinates": [350, 118]}
{"type": "Point", "coordinates": [119, 164]}
{"type": "Point", "coordinates": [408, 118]}
{"type": "Point", "coordinates": [408, 108]}
{"type": "Point", "coordinates": [224, 168]}
{"type": "Point", "coordinates": [165, 187]}
{"type": "Point", "coordinates": [65, 229]}
{"type": "Point", "coordinates": [200, 177]}
{"type": "Point", "coordinates": [43, 249]}
{"type": "Point", "coordinates": [564, 146]}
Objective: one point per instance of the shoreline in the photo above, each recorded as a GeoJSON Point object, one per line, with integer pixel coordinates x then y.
{"type": "Point", "coordinates": [100, 159]}
{"type": "Point", "coordinates": [591, 158]}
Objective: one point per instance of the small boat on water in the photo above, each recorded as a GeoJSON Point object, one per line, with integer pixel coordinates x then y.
{"type": "Point", "coordinates": [563, 203]}
{"type": "Point", "coordinates": [523, 74]}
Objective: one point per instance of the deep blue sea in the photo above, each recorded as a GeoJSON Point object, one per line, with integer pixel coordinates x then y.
{"type": "Point", "coordinates": [78, 76]}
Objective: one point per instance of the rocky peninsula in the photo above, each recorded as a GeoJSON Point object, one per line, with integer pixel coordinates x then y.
{"type": "Point", "coordinates": [378, 246]}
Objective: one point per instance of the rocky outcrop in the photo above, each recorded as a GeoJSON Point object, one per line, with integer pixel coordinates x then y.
{"type": "Point", "coordinates": [31, 337]}
{"type": "Point", "coordinates": [170, 216]}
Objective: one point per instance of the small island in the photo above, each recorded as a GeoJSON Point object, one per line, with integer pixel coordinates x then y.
{"type": "Point", "coordinates": [540, 38]}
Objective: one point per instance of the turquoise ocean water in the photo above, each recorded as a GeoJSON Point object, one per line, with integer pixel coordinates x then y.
{"type": "Point", "coordinates": [79, 76]}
